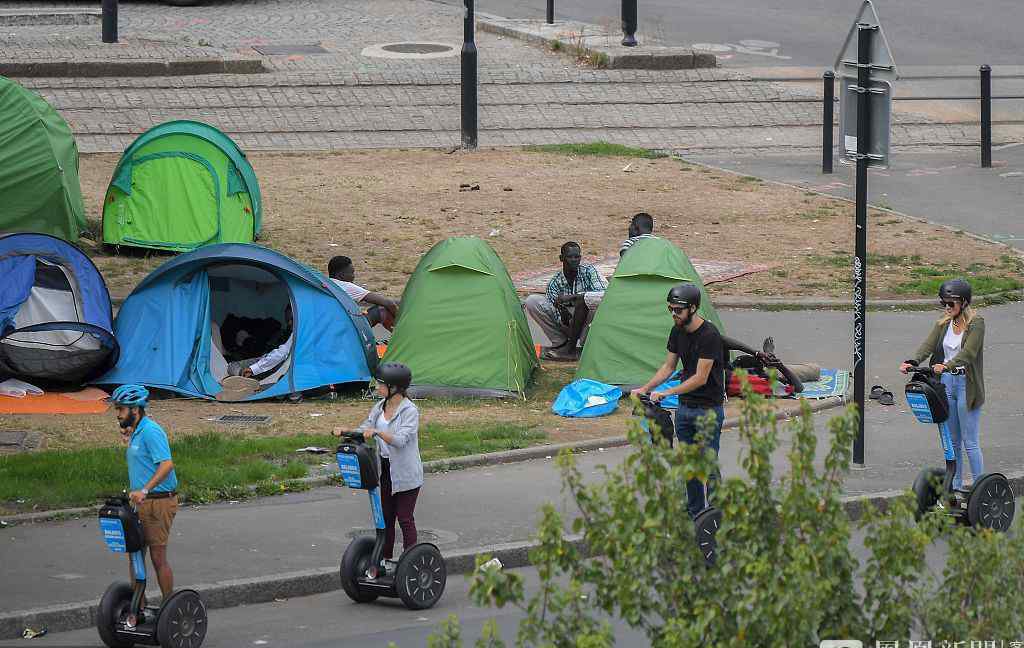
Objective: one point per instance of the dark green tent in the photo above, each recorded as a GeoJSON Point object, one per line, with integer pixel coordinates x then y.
{"type": "Point", "coordinates": [39, 187]}
{"type": "Point", "coordinates": [461, 327]}
{"type": "Point", "coordinates": [626, 342]}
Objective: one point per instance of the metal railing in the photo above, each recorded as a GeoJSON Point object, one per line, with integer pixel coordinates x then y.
{"type": "Point", "coordinates": [985, 97]}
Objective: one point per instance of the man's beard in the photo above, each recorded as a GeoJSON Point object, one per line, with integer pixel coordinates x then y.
{"type": "Point", "coordinates": [127, 422]}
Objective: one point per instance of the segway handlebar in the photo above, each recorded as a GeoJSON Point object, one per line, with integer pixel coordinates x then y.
{"type": "Point", "coordinates": [915, 369]}
{"type": "Point", "coordinates": [352, 437]}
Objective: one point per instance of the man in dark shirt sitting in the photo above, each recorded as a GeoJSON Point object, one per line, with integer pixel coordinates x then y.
{"type": "Point", "coordinates": [698, 344]}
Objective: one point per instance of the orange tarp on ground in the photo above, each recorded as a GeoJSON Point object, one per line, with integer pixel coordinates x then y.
{"type": "Point", "coordinates": [88, 401]}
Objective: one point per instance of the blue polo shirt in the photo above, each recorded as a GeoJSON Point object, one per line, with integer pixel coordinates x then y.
{"type": "Point", "coordinates": [146, 449]}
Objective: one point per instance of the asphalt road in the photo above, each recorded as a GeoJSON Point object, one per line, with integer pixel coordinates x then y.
{"type": "Point", "coordinates": [328, 620]}
{"type": "Point", "coordinates": [807, 32]}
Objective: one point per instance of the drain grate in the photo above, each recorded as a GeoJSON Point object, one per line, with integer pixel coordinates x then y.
{"type": "Point", "coordinates": [417, 48]}
{"type": "Point", "coordinates": [14, 439]}
{"type": "Point", "coordinates": [288, 49]}
{"type": "Point", "coordinates": [240, 419]}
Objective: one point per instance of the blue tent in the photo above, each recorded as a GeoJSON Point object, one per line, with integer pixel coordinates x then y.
{"type": "Point", "coordinates": [183, 322]}
{"type": "Point", "coordinates": [55, 317]}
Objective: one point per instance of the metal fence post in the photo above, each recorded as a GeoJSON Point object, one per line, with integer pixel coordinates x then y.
{"type": "Point", "coordinates": [109, 21]}
{"type": "Point", "coordinates": [986, 117]}
{"type": "Point", "coordinates": [828, 106]}
{"type": "Point", "coordinates": [469, 80]}
{"type": "Point", "coordinates": [629, 23]}
{"type": "Point", "coordinates": [551, 12]}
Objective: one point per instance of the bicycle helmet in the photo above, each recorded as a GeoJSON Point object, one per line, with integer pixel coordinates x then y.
{"type": "Point", "coordinates": [130, 396]}
{"type": "Point", "coordinates": [394, 374]}
{"type": "Point", "coordinates": [684, 294]}
{"type": "Point", "coordinates": [958, 288]}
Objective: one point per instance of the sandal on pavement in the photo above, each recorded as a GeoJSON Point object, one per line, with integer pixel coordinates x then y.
{"type": "Point", "coordinates": [886, 398]}
{"type": "Point", "coordinates": [876, 391]}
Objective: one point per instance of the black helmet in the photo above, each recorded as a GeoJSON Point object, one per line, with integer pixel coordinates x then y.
{"type": "Point", "coordinates": [958, 288]}
{"type": "Point", "coordinates": [684, 294]}
{"type": "Point", "coordinates": [394, 374]}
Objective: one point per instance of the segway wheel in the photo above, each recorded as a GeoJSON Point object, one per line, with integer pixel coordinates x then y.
{"type": "Point", "coordinates": [421, 576]}
{"type": "Point", "coordinates": [182, 621]}
{"type": "Point", "coordinates": [990, 504]}
{"type": "Point", "coordinates": [354, 564]}
{"type": "Point", "coordinates": [927, 489]}
{"type": "Point", "coordinates": [706, 524]}
{"type": "Point", "coordinates": [113, 606]}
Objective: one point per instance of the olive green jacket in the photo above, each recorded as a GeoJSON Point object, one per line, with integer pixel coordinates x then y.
{"type": "Point", "coordinates": [970, 356]}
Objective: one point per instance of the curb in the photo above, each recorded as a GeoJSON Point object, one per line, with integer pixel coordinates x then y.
{"type": "Point", "coordinates": [263, 589]}
{"type": "Point", "coordinates": [847, 304]}
{"type": "Point", "coordinates": [438, 465]}
{"type": "Point", "coordinates": [47, 17]}
{"type": "Point", "coordinates": [136, 68]}
{"type": "Point", "coordinates": [597, 44]}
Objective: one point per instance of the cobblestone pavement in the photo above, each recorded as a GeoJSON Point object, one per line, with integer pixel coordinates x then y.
{"type": "Point", "coordinates": [342, 98]}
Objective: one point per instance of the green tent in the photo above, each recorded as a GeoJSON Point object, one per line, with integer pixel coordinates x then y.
{"type": "Point", "coordinates": [626, 342]}
{"type": "Point", "coordinates": [179, 186]}
{"type": "Point", "coordinates": [38, 167]}
{"type": "Point", "coordinates": [461, 327]}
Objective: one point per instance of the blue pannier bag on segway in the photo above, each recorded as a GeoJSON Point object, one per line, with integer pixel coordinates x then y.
{"type": "Point", "coordinates": [585, 398]}
{"type": "Point", "coordinates": [927, 399]}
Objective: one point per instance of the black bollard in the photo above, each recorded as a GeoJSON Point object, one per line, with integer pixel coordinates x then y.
{"type": "Point", "coordinates": [109, 21]}
{"type": "Point", "coordinates": [986, 117]}
{"type": "Point", "coordinates": [827, 105]}
{"type": "Point", "coordinates": [629, 23]}
{"type": "Point", "coordinates": [551, 12]}
{"type": "Point", "coordinates": [469, 81]}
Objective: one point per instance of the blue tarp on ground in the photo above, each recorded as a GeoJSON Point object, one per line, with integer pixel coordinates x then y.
{"type": "Point", "coordinates": [165, 332]}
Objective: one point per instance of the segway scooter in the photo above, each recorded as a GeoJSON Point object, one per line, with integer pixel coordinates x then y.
{"type": "Point", "coordinates": [179, 622]}
{"type": "Point", "coordinates": [657, 420]}
{"type": "Point", "coordinates": [420, 576]}
{"type": "Point", "coordinates": [988, 504]}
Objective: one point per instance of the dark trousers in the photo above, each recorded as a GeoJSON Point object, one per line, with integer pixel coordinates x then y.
{"type": "Point", "coordinates": [396, 506]}
{"type": "Point", "coordinates": [697, 496]}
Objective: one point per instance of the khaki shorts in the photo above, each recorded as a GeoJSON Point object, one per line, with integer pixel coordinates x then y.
{"type": "Point", "coordinates": [157, 515]}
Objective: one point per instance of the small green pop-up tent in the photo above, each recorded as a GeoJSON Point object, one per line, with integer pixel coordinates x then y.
{"type": "Point", "coordinates": [461, 327]}
{"type": "Point", "coordinates": [626, 342]}
{"type": "Point", "coordinates": [181, 185]}
{"type": "Point", "coordinates": [38, 167]}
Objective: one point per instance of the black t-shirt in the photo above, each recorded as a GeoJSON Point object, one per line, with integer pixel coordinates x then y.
{"type": "Point", "coordinates": [706, 343]}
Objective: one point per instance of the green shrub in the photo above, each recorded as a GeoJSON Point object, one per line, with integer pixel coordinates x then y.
{"type": "Point", "coordinates": [785, 574]}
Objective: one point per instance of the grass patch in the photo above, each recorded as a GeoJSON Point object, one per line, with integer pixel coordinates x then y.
{"type": "Point", "coordinates": [982, 284]}
{"type": "Point", "coordinates": [606, 149]}
{"type": "Point", "coordinates": [213, 466]}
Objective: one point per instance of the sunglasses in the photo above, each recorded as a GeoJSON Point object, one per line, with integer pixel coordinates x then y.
{"type": "Point", "coordinates": [948, 304]}
{"type": "Point", "coordinates": [678, 310]}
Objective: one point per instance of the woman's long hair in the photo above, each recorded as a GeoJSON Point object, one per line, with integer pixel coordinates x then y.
{"type": "Point", "coordinates": [966, 316]}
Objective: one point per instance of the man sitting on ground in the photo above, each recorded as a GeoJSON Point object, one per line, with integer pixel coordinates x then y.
{"type": "Point", "coordinates": [569, 305]}
{"type": "Point", "coordinates": [640, 227]}
{"type": "Point", "coordinates": [383, 311]}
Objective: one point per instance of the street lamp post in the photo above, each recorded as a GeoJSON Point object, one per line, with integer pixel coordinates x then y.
{"type": "Point", "coordinates": [109, 21]}
{"type": "Point", "coordinates": [469, 81]}
{"type": "Point", "coordinates": [629, 23]}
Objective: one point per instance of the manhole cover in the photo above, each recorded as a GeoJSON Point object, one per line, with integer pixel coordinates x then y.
{"type": "Point", "coordinates": [239, 419]}
{"type": "Point", "coordinates": [405, 50]}
{"type": "Point", "coordinates": [285, 50]}
{"type": "Point", "coordinates": [416, 48]}
{"type": "Point", "coordinates": [13, 439]}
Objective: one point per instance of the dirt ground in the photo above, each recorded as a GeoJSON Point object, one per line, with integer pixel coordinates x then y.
{"type": "Point", "coordinates": [386, 208]}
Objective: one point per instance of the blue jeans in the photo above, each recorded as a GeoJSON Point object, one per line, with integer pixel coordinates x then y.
{"type": "Point", "coordinates": [963, 427]}
{"type": "Point", "coordinates": [697, 497]}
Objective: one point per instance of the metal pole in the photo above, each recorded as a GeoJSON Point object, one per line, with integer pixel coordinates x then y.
{"type": "Point", "coordinates": [986, 117]}
{"type": "Point", "coordinates": [551, 12]}
{"type": "Point", "coordinates": [860, 261]}
{"type": "Point", "coordinates": [828, 105]}
{"type": "Point", "coordinates": [109, 21]}
{"type": "Point", "coordinates": [629, 23]}
{"type": "Point", "coordinates": [469, 81]}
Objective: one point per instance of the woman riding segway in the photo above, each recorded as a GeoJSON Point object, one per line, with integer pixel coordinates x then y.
{"type": "Point", "coordinates": [367, 567]}
{"type": "Point", "coordinates": [956, 342]}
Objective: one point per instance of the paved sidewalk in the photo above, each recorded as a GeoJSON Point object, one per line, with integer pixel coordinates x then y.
{"type": "Point", "coordinates": [51, 563]}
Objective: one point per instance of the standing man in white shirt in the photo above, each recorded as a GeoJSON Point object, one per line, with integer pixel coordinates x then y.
{"type": "Point", "coordinates": [383, 310]}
